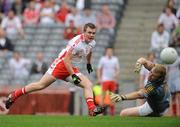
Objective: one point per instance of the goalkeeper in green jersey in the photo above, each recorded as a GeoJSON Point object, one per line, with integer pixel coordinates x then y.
{"type": "Point", "coordinates": [155, 92]}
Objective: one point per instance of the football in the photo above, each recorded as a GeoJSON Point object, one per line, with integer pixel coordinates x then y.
{"type": "Point", "coordinates": [168, 55]}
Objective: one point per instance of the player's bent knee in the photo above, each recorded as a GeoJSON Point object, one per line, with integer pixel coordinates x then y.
{"type": "Point", "coordinates": [89, 85]}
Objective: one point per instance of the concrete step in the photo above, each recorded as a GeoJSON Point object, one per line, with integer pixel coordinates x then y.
{"type": "Point", "coordinates": [140, 26]}
{"type": "Point", "coordinates": [138, 40]}
{"type": "Point", "coordinates": [132, 51]}
{"type": "Point", "coordinates": [144, 25]}
{"type": "Point", "coordinates": [132, 46]}
{"type": "Point", "coordinates": [142, 33]}
{"type": "Point", "coordinates": [146, 2]}
{"type": "Point", "coordinates": [134, 38]}
{"type": "Point", "coordinates": [137, 20]}
{"type": "Point", "coordinates": [129, 77]}
{"type": "Point", "coordinates": [140, 11]}
{"type": "Point", "coordinates": [134, 32]}
{"type": "Point", "coordinates": [130, 34]}
{"type": "Point", "coordinates": [129, 57]}
{"type": "Point", "coordinates": [124, 48]}
{"type": "Point", "coordinates": [128, 14]}
{"type": "Point", "coordinates": [128, 71]}
{"type": "Point", "coordinates": [129, 61]}
{"type": "Point", "coordinates": [126, 39]}
{"type": "Point", "coordinates": [124, 35]}
{"type": "Point", "coordinates": [147, 8]}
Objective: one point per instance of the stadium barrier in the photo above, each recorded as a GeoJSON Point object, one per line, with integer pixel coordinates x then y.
{"type": "Point", "coordinates": [44, 102]}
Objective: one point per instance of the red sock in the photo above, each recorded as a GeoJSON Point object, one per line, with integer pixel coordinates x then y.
{"type": "Point", "coordinates": [90, 103]}
{"type": "Point", "coordinates": [174, 111]}
{"type": "Point", "coordinates": [18, 93]}
{"type": "Point", "coordinates": [112, 110]}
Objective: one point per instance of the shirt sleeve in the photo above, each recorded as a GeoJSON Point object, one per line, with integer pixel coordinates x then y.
{"type": "Point", "coordinates": [4, 23]}
{"type": "Point", "coordinates": [117, 64]}
{"type": "Point", "coordinates": [153, 40]}
{"type": "Point", "coordinates": [93, 44]}
{"type": "Point", "coordinates": [161, 18]}
{"type": "Point", "coordinates": [71, 46]}
{"type": "Point", "coordinates": [142, 72]}
{"type": "Point", "coordinates": [149, 91]}
{"type": "Point", "coordinates": [178, 13]}
{"type": "Point", "coordinates": [18, 23]}
{"type": "Point", "coordinates": [100, 65]}
{"type": "Point", "coordinates": [176, 22]}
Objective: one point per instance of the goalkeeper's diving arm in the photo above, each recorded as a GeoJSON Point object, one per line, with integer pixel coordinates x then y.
{"type": "Point", "coordinates": [130, 96]}
{"type": "Point", "coordinates": [147, 64]}
{"type": "Point", "coordinates": [134, 95]}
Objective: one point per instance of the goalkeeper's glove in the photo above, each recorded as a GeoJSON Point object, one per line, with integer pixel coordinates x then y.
{"type": "Point", "coordinates": [137, 67]}
{"type": "Point", "coordinates": [76, 79]}
{"type": "Point", "coordinates": [116, 97]}
{"type": "Point", "coordinates": [89, 68]}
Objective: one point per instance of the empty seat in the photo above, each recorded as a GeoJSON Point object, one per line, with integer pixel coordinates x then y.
{"type": "Point", "coordinates": [39, 42]}
{"type": "Point", "coordinates": [35, 49]}
{"type": "Point", "coordinates": [55, 42]}
{"type": "Point", "coordinates": [4, 82]}
{"type": "Point", "coordinates": [21, 48]}
{"type": "Point", "coordinates": [43, 30]}
{"type": "Point", "coordinates": [56, 36]}
{"type": "Point", "coordinates": [22, 42]}
{"type": "Point", "coordinates": [30, 55]}
{"type": "Point", "coordinates": [40, 36]}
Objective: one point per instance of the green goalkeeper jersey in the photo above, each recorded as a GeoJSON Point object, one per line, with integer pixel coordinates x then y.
{"type": "Point", "coordinates": [157, 96]}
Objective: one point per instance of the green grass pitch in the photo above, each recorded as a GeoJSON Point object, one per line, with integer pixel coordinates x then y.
{"type": "Point", "coordinates": [85, 121]}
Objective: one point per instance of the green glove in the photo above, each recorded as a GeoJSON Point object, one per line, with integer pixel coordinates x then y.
{"type": "Point", "coordinates": [76, 79]}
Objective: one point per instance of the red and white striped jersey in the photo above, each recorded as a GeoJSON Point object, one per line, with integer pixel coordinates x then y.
{"type": "Point", "coordinates": [78, 47]}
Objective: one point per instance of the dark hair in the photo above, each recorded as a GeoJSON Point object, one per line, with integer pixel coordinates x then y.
{"type": "Point", "coordinates": [160, 25]}
{"type": "Point", "coordinates": [109, 47]}
{"type": "Point", "coordinates": [90, 25]}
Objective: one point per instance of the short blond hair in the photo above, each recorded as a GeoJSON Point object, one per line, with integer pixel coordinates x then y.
{"type": "Point", "coordinates": [158, 68]}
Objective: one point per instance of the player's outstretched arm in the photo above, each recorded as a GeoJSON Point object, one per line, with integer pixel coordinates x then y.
{"type": "Point", "coordinates": [142, 61]}
{"type": "Point", "coordinates": [130, 96]}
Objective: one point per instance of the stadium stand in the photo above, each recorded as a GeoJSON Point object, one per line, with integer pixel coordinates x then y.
{"type": "Point", "coordinates": [49, 39]}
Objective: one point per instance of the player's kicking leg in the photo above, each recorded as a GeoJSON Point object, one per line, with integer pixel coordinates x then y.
{"type": "Point", "coordinates": [87, 85]}
{"type": "Point", "coordinates": [45, 81]}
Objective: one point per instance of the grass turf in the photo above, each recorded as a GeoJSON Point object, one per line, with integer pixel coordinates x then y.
{"type": "Point", "coordinates": [85, 121]}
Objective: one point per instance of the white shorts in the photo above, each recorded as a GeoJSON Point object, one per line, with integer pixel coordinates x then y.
{"type": "Point", "coordinates": [175, 85]}
{"type": "Point", "coordinates": [144, 109]}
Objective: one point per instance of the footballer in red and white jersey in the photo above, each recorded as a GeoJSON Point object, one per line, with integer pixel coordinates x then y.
{"type": "Point", "coordinates": [79, 49]}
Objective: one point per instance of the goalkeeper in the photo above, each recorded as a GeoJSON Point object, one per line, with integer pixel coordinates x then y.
{"type": "Point", "coordinates": [155, 92]}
